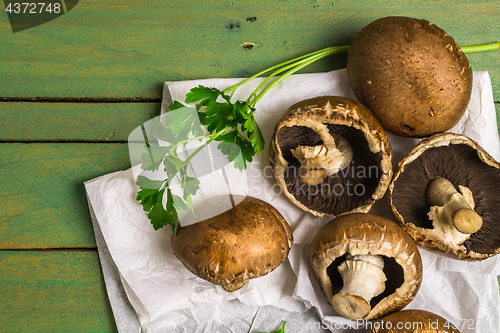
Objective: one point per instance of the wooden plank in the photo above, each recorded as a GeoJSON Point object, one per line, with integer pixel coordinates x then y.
{"type": "Point", "coordinates": [497, 108]}
{"type": "Point", "coordinates": [42, 196]}
{"type": "Point", "coordinates": [122, 48]}
{"type": "Point", "coordinates": [72, 121]}
{"type": "Point", "coordinates": [75, 121]}
{"type": "Point", "coordinates": [53, 291]}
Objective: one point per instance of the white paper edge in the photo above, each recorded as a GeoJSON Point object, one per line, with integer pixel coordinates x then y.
{"type": "Point", "coordinates": [126, 319]}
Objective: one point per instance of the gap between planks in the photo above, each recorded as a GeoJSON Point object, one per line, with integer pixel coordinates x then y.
{"type": "Point", "coordinates": [52, 249]}
{"type": "Point", "coordinates": [80, 100]}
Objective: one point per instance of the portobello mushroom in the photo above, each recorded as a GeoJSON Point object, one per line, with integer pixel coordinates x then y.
{"type": "Point", "coordinates": [411, 74]}
{"type": "Point", "coordinates": [246, 241]}
{"type": "Point", "coordinates": [412, 321]}
{"type": "Point", "coordinates": [331, 156]}
{"type": "Point", "coordinates": [366, 265]}
{"type": "Point", "coordinates": [444, 194]}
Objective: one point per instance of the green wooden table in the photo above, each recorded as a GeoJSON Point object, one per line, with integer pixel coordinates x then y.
{"type": "Point", "coordinates": [72, 89]}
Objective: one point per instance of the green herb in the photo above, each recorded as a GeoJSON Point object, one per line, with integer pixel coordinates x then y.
{"type": "Point", "coordinates": [231, 123]}
{"type": "Point", "coordinates": [481, 48]}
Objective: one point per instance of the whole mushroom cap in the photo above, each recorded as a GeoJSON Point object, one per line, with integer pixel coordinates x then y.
{"type": "Point", "coordinates": [314, 126]}
{"type": "Point", "coordinates": [473, 173]}
{"type": "Point", "coordinates": [367, 234]}
{"type": "Point", "coordinates": [247, 241]}
{"type": "Point", "coordinates": [412, 321]}
{"type": "Point", "coordinates": [411, 74]}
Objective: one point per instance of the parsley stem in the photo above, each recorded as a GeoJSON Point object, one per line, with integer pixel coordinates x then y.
{"type": "Point", "coordinates": [325, 51]}
{"type": "Point", "coordinates": [191, 139]}
{"type": "Point", "coordinates": [481, 48]}
{"type": "Point", "coordinates": [213, 137]}
{"type": "Point", "coordinates": [282, 69]}
{"type": "Point", "coordinates": [294, 67]}
{"type": "Point", "coordinates": [287, 74]}
{"type": "Point", "coordinates": [309, 58]}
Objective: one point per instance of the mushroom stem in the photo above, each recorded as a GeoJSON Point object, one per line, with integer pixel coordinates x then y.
{"type": "Point", "coordinates": [455, 209]}
{"type": "Point", "coordinates": [230, 287]}
{"type": "Point", "coordinates": [317, 162]}
{"type": "Point", "coordinates": [363, 279]}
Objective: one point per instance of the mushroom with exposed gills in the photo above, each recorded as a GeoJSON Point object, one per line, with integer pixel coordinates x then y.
{"type": "Point", "coordinates": [366, 265]}
{"type": "Point", "coordinates": [412, 321]}
{"type": "Point", "coordinates": [331, 156]}
{"type": "Point", "coordinates": [242, 242]}
{"type": "Point", "coordinates": [444, 195]}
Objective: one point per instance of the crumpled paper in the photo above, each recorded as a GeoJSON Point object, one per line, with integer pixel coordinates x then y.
{"type": "Point", "coordinates": [166, 297]}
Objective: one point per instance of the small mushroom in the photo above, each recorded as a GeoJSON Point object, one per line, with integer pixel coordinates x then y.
{"type": "Point", "coordinates": [411, 74]}
{"type": "Point", "coordinates": [331, 156]}
{"type": "Point", "coordinates": [412, 321]}
{"type": "Point", "coordinates": [245, 242]}
{"type": "Point", "coordinates": [366, 265]}
{"type": "Point", "coordinates": [444, 195]}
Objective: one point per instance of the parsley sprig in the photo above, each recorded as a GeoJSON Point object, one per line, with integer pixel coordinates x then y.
{"type": "Point", "coordinates": [231, 123]}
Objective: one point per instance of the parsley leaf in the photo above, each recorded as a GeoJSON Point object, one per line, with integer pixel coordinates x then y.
{"type": "Point", "coordinates": [147, 183]}
{"type": "Point", "coordinates": [203, 95]}
{"type": "Point", "coordinates": [219, 115]}
{"type": "Point", "coordinates": [233, 124]}
{"type": "Point", "coordinates": [233, 143]}
{"type": "Point", "coordinates": [151, 160]}
{"type": "Point", "coordinates": [151, 201]}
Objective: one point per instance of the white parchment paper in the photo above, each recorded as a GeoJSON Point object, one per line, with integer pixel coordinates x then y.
{"type": "Point", "coordinates": [166, 297]}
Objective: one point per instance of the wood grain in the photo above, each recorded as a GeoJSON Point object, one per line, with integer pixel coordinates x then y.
{"type": "Point", "coordinates": [125, 48]}
{"type": "Point", "coordinates": [26, 121]}
{"type": "Point", "coordinates": [497, 108]}
{"type": "Point", "coordinates": [53, 291]}
{"type": "Point", "coordinates": [42, 196]}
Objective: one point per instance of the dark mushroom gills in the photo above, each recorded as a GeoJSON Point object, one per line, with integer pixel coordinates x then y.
{"type": "Point", "coordinates": [331, 156]}
{"type": "Point", "coordinates": [444, 194]}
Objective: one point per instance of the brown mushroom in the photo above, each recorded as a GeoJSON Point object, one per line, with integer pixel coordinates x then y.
{"type": "Point", "coordinates": [444, 195]}
{"type": "Point", "coordinates": [411, 74]}
{"type": "Point", "coordinates": [331, 156]}
{"type": "Point", "coordinates": [366, 265]}
{"type": "Point", "coordinates": [246, 241]}
{"type": "Point", "coordinates": [412, 321]}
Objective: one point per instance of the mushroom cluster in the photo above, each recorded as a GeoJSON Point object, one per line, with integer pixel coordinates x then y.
{"type": "Point", "coordinates": [366, 265]}
{"type": "Point", "coordinates": [331, 156]}
{"type": "Point", "coordinates": [417, 82]}
{"type": "Point", "coordinates": [244, 242]}
{"type": "Point", "coordinates": [444, 195]}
